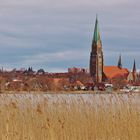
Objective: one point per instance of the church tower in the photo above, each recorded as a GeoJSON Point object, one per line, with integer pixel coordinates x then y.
{"type": "Point", "coordinates": [96, 56]}
{"type": "Point", "coordinates": [134, 72]}
{"type": "Point", "coordinates": [120, 62]}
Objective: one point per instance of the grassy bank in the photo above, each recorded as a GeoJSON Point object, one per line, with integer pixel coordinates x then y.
{"type": "Point", "coordinates": [62, 92]}
{"type": "Point", "coordinates": [69, 117]}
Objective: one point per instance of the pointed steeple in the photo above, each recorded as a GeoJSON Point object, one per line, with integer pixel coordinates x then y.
{"type": "Point", "coordinates": [134, 66]}
{"type": "Point", "coordinates": [120, 62]}
{"type": "Point", "coordinates": [134, 72]}
{"type": "Point", "coordinates": [96, 36]}
{"type": "Point", "coordinates": [96, 56]}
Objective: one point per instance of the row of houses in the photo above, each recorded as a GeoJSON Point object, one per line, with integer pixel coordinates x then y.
{"type": "Point", "coordinates": [74, 79]}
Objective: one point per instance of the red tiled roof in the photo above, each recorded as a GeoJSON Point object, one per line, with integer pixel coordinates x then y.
{"type": "Point", "coordinates": [113, 72]}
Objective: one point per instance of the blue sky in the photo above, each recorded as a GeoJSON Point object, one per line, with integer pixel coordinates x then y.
{"type": "Point", "coordinates": [57, 34]}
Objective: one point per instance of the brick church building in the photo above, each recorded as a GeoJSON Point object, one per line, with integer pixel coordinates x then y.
{"type": "Point", "coordinates": [101, 73]}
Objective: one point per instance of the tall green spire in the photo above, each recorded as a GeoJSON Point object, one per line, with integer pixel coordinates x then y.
{"type": "Point", "coordinates": [96, 56]}
{"type": "Point", "coordinates": [96, 37]}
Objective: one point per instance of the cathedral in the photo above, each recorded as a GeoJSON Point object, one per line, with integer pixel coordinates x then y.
{"type": "Point", "coordinates": [101, 73]}
{"type": "Point", "coordinates": [96, 56]}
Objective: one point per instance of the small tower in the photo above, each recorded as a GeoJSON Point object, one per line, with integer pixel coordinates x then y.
{"type": "Point", "coordinates": [120, 62]}
{"type": "Point", "coordinates": [96, 56]}
{"type": "Point", "coordinates": [134, 72]}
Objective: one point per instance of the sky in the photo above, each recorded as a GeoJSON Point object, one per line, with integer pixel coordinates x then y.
{"type": "Point", "coordinates": [57, 34]}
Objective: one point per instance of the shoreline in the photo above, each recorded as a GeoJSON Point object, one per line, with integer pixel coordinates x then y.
{"type": "Point", "coordinates": [65, 92]}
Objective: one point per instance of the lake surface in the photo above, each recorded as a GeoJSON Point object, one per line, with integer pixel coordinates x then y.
{"type": "Point", "coordinates": [88, 99]}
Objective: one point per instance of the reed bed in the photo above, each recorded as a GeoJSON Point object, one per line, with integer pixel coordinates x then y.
{"type": "Point", "coordinates": [69, 117]}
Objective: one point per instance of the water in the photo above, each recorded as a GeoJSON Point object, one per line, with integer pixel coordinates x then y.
{"type": "Point", "coordinates": [88, 99]}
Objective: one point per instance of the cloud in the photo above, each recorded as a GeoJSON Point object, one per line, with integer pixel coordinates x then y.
{"type": "Point", "coordinates": [44, 33]}
{"type": "Point", "coordinates": [63, 58]}
{"type": "Point", "coordinates": [62, 2]}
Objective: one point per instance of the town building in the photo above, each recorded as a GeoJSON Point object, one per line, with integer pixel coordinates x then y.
{"type": "Point", "coordinates": [101, 73]}
{"type": "Point", "coordinates": [96, 56]}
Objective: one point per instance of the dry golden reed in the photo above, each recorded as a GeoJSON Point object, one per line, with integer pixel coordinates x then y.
{"type": "Point", "coordinates": [69, 117]}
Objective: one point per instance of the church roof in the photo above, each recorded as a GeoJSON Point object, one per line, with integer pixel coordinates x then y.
{"type": "Point", "coordinates": [114, 71]}
{"type": "Point", "coordinates": [96, 32]}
